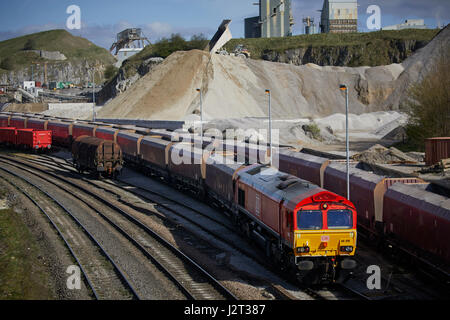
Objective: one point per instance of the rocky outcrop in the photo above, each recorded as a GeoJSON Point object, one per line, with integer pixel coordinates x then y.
{"type": "Point", "coordinates": [78, 72]}
{"type": "Point", "coordinates": [394, 51]}
{"type": "Point", "coordinates": [50, 55]}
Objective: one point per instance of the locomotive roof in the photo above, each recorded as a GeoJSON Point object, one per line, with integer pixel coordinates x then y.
{"type": "Point", "coordinates": [274, 183]}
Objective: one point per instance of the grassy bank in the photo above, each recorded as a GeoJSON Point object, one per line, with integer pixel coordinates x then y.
{"type": "Point", "coordinates": [15, 54]}
{"type": "Point", "coordinates": [257, 46]}
{"type": "Point", "coordinates": [22, 273]}
{"type": "Point", "coordinates": [371, 48]}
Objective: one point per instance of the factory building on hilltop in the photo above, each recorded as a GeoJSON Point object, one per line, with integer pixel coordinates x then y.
{"type": "Point", "coordinates": [274, 20]}
{"type": "Point", "coordinates": [409, 24]}
{"type": "Point", "coordinates": [129, 42]}
{"type": "Point", "coordinates": [339, 16]}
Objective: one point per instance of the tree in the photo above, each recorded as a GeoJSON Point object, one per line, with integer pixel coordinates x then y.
{"type": "Point", "coordinates": [7, 64]}
{"type": "Point", "coordinates": [198, 41]}
{"type": "Point", "coordinates": [428, 105]}
{"type": "Point", "coordinates": [30, 45]}
{"type": "Point", "coordinates": [110, 72]}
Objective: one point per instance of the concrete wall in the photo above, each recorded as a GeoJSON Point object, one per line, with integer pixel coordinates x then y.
{"type": "Point", "coordinates": [51, 55]}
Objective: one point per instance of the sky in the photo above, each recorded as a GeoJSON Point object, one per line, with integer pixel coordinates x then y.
{"type": "Point", "coordinates": [101, 20]}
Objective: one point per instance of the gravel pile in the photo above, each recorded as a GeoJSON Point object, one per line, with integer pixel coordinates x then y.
{"type": "Point", "coordinates": [380, 154]}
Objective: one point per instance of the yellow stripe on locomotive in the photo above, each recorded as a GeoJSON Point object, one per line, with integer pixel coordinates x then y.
{"type": "Point", "coordinates": [325, 243]}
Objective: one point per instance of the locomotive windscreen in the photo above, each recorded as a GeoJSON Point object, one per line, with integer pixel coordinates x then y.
{"type": "Point", "coordinates": [339, 219]}
{"type": "Point", "coordinates": [310, 220]}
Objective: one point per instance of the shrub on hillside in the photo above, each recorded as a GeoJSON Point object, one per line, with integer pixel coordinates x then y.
{"type": "Point", "coordinates": [30, 45]}
{"type": "Point", "coordinates": [110, 72]}
{"type": "Point", "coordinates": [429, 104]}
{"type": "Point", "coordinates": [7, 64]}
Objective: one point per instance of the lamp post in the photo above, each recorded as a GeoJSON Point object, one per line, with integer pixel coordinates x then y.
{"type": "Point", "coordinates": [343, 87]}
{"type": "Point", "coordinates": [93, 94]}
{"type": "Point", "coordinates": [270, 125]}
{"type": "Point", "coordinates": [201, 115]}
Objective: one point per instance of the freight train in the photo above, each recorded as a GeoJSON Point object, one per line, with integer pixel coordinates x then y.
{"type": "Point", "coordinates": [399, 213]}
{"type": "Point", "coordinates": [302, 228]}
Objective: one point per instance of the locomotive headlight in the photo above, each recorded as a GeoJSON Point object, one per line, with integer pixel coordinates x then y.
{"type": "Point", "coordinates": [302, 249]}
{"type": "Point", "coordinates": [352, 235]}
{"type": "Point", "coordinates": [346, 249]}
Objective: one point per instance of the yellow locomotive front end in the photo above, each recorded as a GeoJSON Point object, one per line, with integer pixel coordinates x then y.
{"type": "Point", "coordinates": [325, 237]}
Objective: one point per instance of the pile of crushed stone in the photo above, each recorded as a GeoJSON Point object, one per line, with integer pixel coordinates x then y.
{"type": "Point", "coordinates": [380, 154]}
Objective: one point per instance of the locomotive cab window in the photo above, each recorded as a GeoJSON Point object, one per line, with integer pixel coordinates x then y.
{"type": "Point", "coordinates": [309, 220]}
{"type": "Point", "coordinates": [340, 219]}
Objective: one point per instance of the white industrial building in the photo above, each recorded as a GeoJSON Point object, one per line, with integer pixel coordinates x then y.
{"type": "Point", "coordinates": [28, 85]}
{"type": "Point", "coordinates": [339, 16]}
{"type": "Point", "coordinates": [275, 20]}
{"type": "Point", "coordinates": [409, 24]}
{"type": "Point", "coordinates": [125, 53]}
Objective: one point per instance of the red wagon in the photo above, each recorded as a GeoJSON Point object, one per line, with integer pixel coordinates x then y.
{"type": "Point", "coordinates": [34, 139]}
{"type": "Point", "coordinates": [8, 136]}
{"type": "Point", "coordinates": [4, 120]}
{"type": "Point", "coordinates": [61, 132]}
{"type": "Point", "coordinates": [18, 122]}
{"type": "Point", "coordinates": [419, 218]}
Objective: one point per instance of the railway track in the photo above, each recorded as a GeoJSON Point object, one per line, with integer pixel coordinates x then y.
{"type": "Point", "coordinates": [170, 204]}
{"type": "Point", "coordinates": [190, 278]}
{"type": "Point", "coordinates": [75, 237]}
{"type": "Point", "coordinates": [192, 216]}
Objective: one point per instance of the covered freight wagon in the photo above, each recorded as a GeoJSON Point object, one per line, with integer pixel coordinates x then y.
{"type": "Point", "coordinates": [61, 131]}
{"type": "Point", "coordinates": [187, 165]}
{"type": "Point", "coordinates": [437, 149]}
{"type": "Point", "coordinates": [83, 129]}
{"type": "Point", "coordinates": [8, 136]}
{"type": "Point", "coordinates": [34, 139]}
{"type": "Point", "coordinates": [130, 145]}
{"type": "Point", "coordinates": [221, 170]}
{"type": "Point", "coordinates": [420, 218]}
{"type": "Point", "coordinates": [4, 120]}
{"type": "Point", "coordinates": [97, 156]}
{"type": "Point", "coordinates": [304, 166]}
{"type": "Point", "coordinates": [155, 155]}
{"type": "Point", "coordinates": [107, 133]}
{"type": "Point", "coordinates": [18, 122]}
{"type": "Point", "coordinates": [38, 124]}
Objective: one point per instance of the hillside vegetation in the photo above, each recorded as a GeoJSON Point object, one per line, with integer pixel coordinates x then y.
{"type": "Point", "coordinates": [15, 54]}
{"type": "Point", "coordinates": [349, 49]}
{"type": "Point", "coordinates": [428, 106]}
{"type": "Point", "coordinates": [352, 49]}
{"type": "Point", "coordinates": [164, 48]}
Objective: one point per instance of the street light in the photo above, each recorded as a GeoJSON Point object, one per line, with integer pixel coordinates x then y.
{"type": "Point", "coordinates": [93, 94]}
{"type": "Point", "coordinates": [201, 115]}
{"type": "Point", "coordinates": [270, 126]}
{"type": "Point", "coordinates": [343, 87]}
